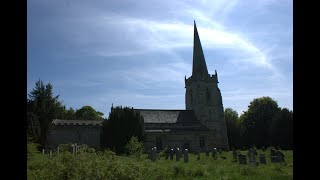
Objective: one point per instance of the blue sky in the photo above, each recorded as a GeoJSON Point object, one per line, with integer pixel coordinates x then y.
{"type": "Point", "coordinates": [137, 53]}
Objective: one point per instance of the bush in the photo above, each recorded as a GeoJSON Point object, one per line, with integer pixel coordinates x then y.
{"type": "Point", "coordinates": [134, 147]}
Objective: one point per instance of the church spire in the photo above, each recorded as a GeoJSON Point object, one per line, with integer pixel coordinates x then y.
{"type": "Point", "coordinates": [199, 68]}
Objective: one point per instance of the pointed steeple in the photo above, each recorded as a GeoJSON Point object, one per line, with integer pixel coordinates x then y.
{"type": "Point", "coordinates": [199, 68]}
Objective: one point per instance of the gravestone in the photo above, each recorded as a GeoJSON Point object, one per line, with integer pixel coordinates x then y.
{"type": "Point", "coordinates": [151, 154]}
{"type": "Point", "coordinates": [207, 152]}
{"type": "Point", "coordinates": [242, 159]}
{"type": "Point", "coordinates": [273, 156]}
{"type": "Point", "coordinates": [185, 153]}
{"type": "Point", "coordinates": [255, 151]}
{"type": "Point", "coordinates": [252, 157]}
{"type": "Point", "coordinates": [58, 150]}
{"type": "Point", "coordinates": [214, 153]}
{"type": "Point", "coordinates": [262, 158]}
{"type": "Point", "coordinates": [178, 154]}
{"type": "Point", "coordinates": [280, 156]}
{"type": "Point", "coordinates": [235, 156]}
{"type": "Point", "coordinates": [50, 154]}
{"type": "Point", "coordinates": [154, 154]}
{"type": "Point", "coordinates": [198, 155]}
{"type": "Point", "coordinates": [167, 154]}
{"type": "Point", "coordinates": [171, 154]}
{"type": "Point", "coordinates": [73, 148]}
{"type": "Point", "coordinates": [42, 151]}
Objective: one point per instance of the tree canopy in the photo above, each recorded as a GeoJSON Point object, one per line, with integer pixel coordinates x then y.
{"type": "Point", "coordinates": [233, 126]}
{"type": "Point", "coordinates": [122, 124]}
{"type": "Point", "coordinates": [88, 113]}
{"type": "Point", "coordinates": [42, 108]}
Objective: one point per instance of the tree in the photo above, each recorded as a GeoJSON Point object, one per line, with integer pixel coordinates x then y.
{"type": "Point", "coordinates": [88, 113]}
{"type": "Point", "coordinates": [42, 108]}
{"type": "Point", "coordinates": [281, 129]}
{"type": "Point", "coordinates": [122, 124]}
{"type": "Point", "coordinates": [134, 147]}
{"type": "Point", "coordinates": [233, 126]}
{"type": "Point", "coordinates": [256, 122]}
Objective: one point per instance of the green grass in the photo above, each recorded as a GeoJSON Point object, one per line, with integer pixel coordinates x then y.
{"type": "Point", "coordinates": [110, 166]}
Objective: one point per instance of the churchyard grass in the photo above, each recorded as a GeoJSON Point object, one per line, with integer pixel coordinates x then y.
{"type": "Point", "coordinates": [107, 165]}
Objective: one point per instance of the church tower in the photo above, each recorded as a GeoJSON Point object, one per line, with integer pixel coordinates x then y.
{"type": "Point", "coordinates": [204, 97]}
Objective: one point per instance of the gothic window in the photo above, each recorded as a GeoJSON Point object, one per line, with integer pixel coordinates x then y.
{"type": "Point", "coordinates": [202, 142]}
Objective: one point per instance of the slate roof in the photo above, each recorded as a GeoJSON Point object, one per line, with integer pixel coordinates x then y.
{"type": "Point", "coordinates": [168, 116]}
{"type": "Point", "coordinates": [77, 122]}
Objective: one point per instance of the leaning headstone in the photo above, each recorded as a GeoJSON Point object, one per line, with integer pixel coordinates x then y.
{"type": "Point", "coordinates": [214, 153]}
{"type": "Point", "coordinates": [242, 159]}
{"type": "Point", "coordinates": [171, 154]}
{"type": "Point", "coordinates": [262, 158]}
{"type": "Point", "coordinates": [252, 157]}
{"type": "Point", "coordinates": [178, 154]}
{"type": "Point", "coordinates": [185, 153]}
{"type": "Point", "coordinates": [235, 156]}
{"type": "Point", "coordinates": [280, 156]}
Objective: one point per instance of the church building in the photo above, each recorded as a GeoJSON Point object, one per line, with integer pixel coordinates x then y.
{"type": "Point", "coordinates": [200, 126]}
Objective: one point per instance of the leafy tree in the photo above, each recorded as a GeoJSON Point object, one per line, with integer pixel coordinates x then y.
{"type": "Point", "coordinates": [281, 129]}
{"type": "Point", "coordinates": [256, 122]}
{"type": "Point", "coordinates": [122, 124]}
{"type": "Point", "coordinates": [88, 113]}
{"type": "Point", "coordinates": [42, 108]}
{"type": "Point", "coordinates": [233, 126]}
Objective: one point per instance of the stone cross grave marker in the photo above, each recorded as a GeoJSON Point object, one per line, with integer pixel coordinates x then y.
{"type": "Point", "coordinates": [185, 153]}
{"type": "Point", "coordinates": [262, 158]}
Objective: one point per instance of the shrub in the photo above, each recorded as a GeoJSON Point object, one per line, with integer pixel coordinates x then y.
{"type": "Point", "coordinates": [134, 147]}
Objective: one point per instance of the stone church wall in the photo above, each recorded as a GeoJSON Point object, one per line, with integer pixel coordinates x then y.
{"type": "Point", "coordinates": [80, 134]}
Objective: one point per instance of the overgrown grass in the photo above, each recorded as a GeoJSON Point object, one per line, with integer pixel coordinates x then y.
{"type": "Point", "coordinates": [107, 165]}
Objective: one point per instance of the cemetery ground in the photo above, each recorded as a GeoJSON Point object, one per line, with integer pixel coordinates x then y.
{"type": "Point", "coordinates": [88, 164]}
